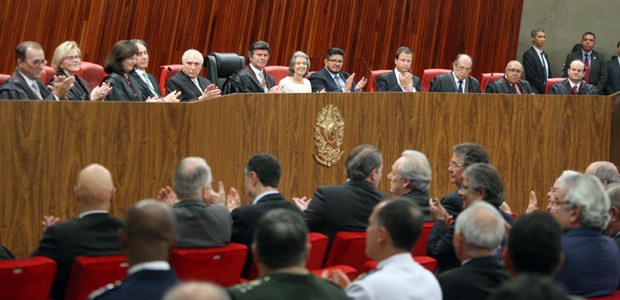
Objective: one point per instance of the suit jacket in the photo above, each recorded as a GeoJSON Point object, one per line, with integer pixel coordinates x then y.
{"type": "Point", "coordinates": [534, 70]}
{"type": "Point", "coordinates": [16, 88]}
{"type": "Point", "coordinates": [421, 199]}
{"type": "Point", "coordinates": [5, 254]}
{"type": "Point", "coordinates": [79, 91]}
{"type": "Point", "coordinates": [93, 235]}
{"type": "Point", "coordinates": [201, 226]}
{"type": "Point", "coordinates": [598, 68]}
{"type": "Point", "coordinates": [344, 207]}
{"type": "Point", "coordinates": [387, 82]}
{"type": "Point", "coordinates": [144, 284]}
{"type": "Point", "coordinates": [445, 83]}
{"type": "Point", "coordinates": [501, 86]}
{"type": "Point", "coordinates": [563, 88]}
{"type": "Point", "coordinates": [591, 263]}
{"type": "Point", "coordinates": [323, 79]}
{"type": "Point", "coordinates": [474, 280]}
{"type": "Point", "coordinates": [440, 245]}
{"type": "Point", "coordinates": [613, 76]}
{"type": "Point", "coordinates": [286, 286]}
{"type": "Point", "coordinates": [123, 89]}
{"type": "Point", "coordinates": [144, 89]}
{"type": "Point", "coordinates": [245, 81]}
{"type": "Point", "coordinates": [182, 83]}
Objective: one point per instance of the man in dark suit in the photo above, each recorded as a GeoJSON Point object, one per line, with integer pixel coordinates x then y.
{"type": "Point", "coordinates": [457, 81]}
{"type": "Point", "coordinates": [401, 80]}
{"type": "Point", "coordinates": [511, 82]}
{"type": "Point", "coordinates": [261, 179]}
{"type": "Point", "coordinates": [479, 230]}
{"type": "Point", "coordinates": [146, 81]}
{"type": "Point", "coordinates": [199, 224]}
{"type": "Point", "coordinates": [346, 207]}
{"type": "Point", "coordinates": [574, 84]}
{"type": "Point", "coordinates": [613, 228]}
{"type": "Point", "coordinates": [94, 233]}
{"type": "Point", "coordinates": [332, 78]}
{"type": "Point", "coordinates": [147, 242]}
{"type": "Point", "coordinates": [613, 73]}
{"type": "Point", "coordinates": [595, 68]}
{"type": "Point", "coordinates": [410, 178]}
{"type": "Point", "coordinates": [5, 254]}
{"type": "Point", "coordinates": [536, 62]}
{"type": "Point", "coordinates": [253, 78]}
{"type": "Point", "coordinates": [192, 86]}
{"type": "Point", "coordinates": [25, 83]}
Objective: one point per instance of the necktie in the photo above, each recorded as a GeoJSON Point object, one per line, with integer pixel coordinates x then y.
{"type": "Point", "coordinates": [35, 89]}
{"type": "Point", "coordinates": [514, 86]}
{"type": "Point", "coordinates": [544, 64]}
{"type": "Point", "coordinates": [148, 83]}
{"type": "Point", "coordinates": [586, 62]}
{"type": "Point", "coordinates": [339, 81]}
{"type": "Point", "coordinates": [195, 80]}
{"type": "Point", "coordinates": [575, 90]}
{"type": "Point", "coordinates": [261, 79]}
{"type": "Point", "coordinates": [460, 88]}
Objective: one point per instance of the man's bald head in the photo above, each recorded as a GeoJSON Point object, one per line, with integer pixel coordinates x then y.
{"type": "Point", "coordinates": [606, 171]}
{"type": "Point", "coordinates": [95, 188]}
{"type": "Point", "coordinates": [197, 291]}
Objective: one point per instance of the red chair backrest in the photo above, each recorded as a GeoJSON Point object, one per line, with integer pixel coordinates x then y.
{"type": "Point", "coordinates": [92, 73]}
{"type": "Point", "coordinates": [28, 278]}
{"type": "Point", "coordinates": [317, 251]}
{"type": "Point", "coordinates": [222, 264]}
{"type": "Point", "coordinates": [90, 273]}
{"type": "Point", "coordinates": [552, 81]}
{"type": "Point", "coordinates": [167, 71]}
{"type": "Point", "coordinates": [615, 296]}
{"type": "Point", "coordinates": [488, 78]}
{"type": "Point", "coordinates": [47, 74]}
{"type": "Point", "coordinates": [348, 248]}
{"type": "Point", "coordinates": [419, 249]}
{"type": "Point", "coordinates": [372, 86]}
{"type": "Point", "coordinates": [278, 72]}
{"type": "Point", "coordinates": [4, 78]}
{"type": "Point", "coordinates": [429, 75]}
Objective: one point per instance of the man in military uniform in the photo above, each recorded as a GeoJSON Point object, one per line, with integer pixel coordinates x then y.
{"type": "Point", "coordinates": [281, 247]}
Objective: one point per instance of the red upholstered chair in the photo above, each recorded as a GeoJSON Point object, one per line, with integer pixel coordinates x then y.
{"type": "Point", "coordinates": [552, 81]}
{"type": "Point", "coordinates": [488, 78]}
{"type": "Point", "coordinates": [222, 264]}
{"type": "Point", "coordinates": [278, 72]}
{"type": "Point", "coordinates": [48, 74]}
{"type": "Point", "coordinates": [615, 296]}
{"type": "Point", "coordinates": [429, 75]}
{"type": "Point", "coordinates": [92, 73]}
{"type": "Point", "coordinates": [427, 262]}
{"type": "Point", "coordinates": [4, 78]}
{"type": "Point", "coordinates": [349, 271]}
{"type": "Point", "coordinates": [348, 248]}
{"type": "Point", "coordinates": [28, 278]}
{"type": "Point", "coordinates": [317, 252]}
{"type": "Point", "coordinates": [90, 273]}
{"type": "Point", "coordinates": [167, 71]}
{"type": "Point", "coordinates": [419, 249]}
{"type": "Point", "coordinates": [372, 86]}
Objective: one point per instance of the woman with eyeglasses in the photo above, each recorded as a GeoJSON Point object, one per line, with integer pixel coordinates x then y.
{"type": "Point", "coordinates": [67, 61]}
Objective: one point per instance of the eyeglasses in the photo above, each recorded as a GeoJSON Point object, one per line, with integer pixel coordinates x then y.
{"type": "Point", "coordinates": [72, 57]}
{"type": "Point", "coordinates": [454, 165]}
{"type": "Point", "coordinates": [518, 71]}
{"type": "Point", "coordinates": [336, 61]}
{"type": "Point", "coordinates": [38, 62]}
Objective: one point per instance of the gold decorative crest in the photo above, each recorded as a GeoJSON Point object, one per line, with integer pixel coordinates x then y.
{"type": "Point", "coordinates": [328, 134]}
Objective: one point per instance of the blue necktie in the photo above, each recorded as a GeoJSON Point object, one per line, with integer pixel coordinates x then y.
{"type": "Point", "coordinates": [460, 88]}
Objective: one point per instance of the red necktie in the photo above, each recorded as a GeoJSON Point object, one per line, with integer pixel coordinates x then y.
{"type": "Point", "coordinates": [586, 62]}
{"type": "Point", "coordinates": [514, 86]}
{"type": "Point", "coordinates": [576, 90]}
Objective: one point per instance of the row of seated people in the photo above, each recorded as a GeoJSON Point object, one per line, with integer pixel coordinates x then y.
{"type": "Point", "coordinates": [125, 76]}
{"type": "Point", "coordinates": [205, 218]}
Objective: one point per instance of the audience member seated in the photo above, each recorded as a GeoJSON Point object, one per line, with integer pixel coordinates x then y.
{"type": "Point", "coordinates": [605, 171]}
{"type": "Point", "coordinates": [479, 231]}
{"type": "Point", "coordinates": [199, 224]}
{"type": "Point", "coordinates": [147, 82]}
{"type": "Point", "coordinates": [195, 290]}
{"type": "Point", "coordinates": [94, 233]}
{"type": "Point", "coordinates": [147, 241]}
{"type": "Point", "coordinates": [511, 82]}
{"type": "Point", "coordinates": [401, 80]}
{"type": "Point", "coordinates": [332, 78]}
{"type": "Point", "coordinates": [531, 287]}
{"type": "Point", "coordinates": [253, 78]}
{"type": "Point", "coordinates": [613, 228]}
{"type": "Point", "coordinates": [393, 229]}
{"type": "Point", "coordinates": [457, 81]}
{"type": "Point", "coordinates": [295, 81]}
{"type": "Point", "coordinates": [440, 242]}
{"type": "Point", "coordinates": [346, 207]}
{"type": "Point", "coordinates": [574, 85]}
{"type": "Point", "coordinates": [119, 64]}
{"type": "Point", "coordinates": [192, 86]}
{"type": "Point", "coordinates": [67, 62]}
{"type": "Point", "coordinates": [410, 178]}
{"type": "Point", "coordinates": [25, 84]}
{"type": "Point", "coordinates": [595, 68]}
{"type": "Point", "coordinates": [281, 247]}
{"type": "Point", "coordinates": [591, 260]}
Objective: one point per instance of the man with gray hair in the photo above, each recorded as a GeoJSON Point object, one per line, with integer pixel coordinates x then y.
{"type": "Point", "coordinates": [192, 86]}
{"type": "Point", "coordinates": [411, 178]}
{"type": "Point", "coordinates": [479, 231]}
{"type": "Point", "coordinates": [606, 171]}
{"type": "Point", "coordinates": [536, 62]}
{"type": "Point", "coordinates": [195, 290]}
{"type": "Point", "coordinates": [200, 223]}
{"type": "Point", "coordinates": [457, 81]}
{"type": "Point", "coordinates": [591, 260]}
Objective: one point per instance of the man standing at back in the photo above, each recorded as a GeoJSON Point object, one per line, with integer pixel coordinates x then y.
{"type": "Point", "coordinates": [457, 81]}
{"type": "Point", "coordinates": [253, 78]}
{"type": "Point", "coordinates": [94, 233]}
{"type": "Point", "coordinates": [536, 62]}
{"type": "Point", "coordinates": [192, 86]}
{"type": "Point", "coordinates": [332, 78]}
{"type": "Point", "coordinates": [400, 80]}
{"type": "Point", "coordinates": [595, 66]}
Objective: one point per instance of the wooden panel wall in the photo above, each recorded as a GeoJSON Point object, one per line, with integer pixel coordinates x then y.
{"type": "Point", "coordinates": [530, 138]}
{"type": "Point", "coordinates": [372, 30]}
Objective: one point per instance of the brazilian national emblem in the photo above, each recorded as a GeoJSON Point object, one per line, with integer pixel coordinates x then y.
{"type": "Point", "coordinates": [328, 135]}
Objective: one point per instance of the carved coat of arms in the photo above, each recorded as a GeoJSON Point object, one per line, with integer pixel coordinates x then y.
{"type": "Point", "coordinates": [328, 135]}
